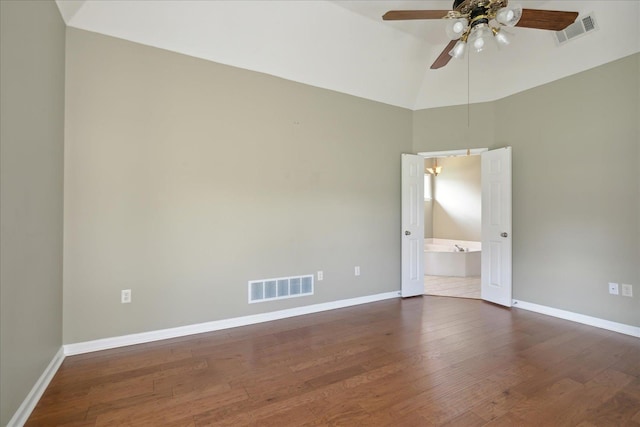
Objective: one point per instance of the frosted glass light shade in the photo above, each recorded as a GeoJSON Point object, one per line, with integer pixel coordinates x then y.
{"type": "Point", "coordinates": [456, 28]}
{"type": "Point", "coordinates": [458, 50]}
{"type": "Point", "coordinates": [509, 16]}
{"type": "Point", "coordinates": [502, 37]}
{"type": "Point", "coordinates": [480, 37]}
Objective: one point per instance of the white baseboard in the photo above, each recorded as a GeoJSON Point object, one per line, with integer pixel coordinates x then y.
{"type": "Point", "coordinates": [114, 342]}
{"type": "Point", "coordinates": [29, 403]}
{"type": "Point", "coordinates": [622, 328]}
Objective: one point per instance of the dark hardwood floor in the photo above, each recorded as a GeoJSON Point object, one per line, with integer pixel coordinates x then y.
{"type": "Point", "coordinates": [415, 362]}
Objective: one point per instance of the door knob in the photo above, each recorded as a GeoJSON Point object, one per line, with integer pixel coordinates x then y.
{"type": "Point", "coordinates": [503, 234]}
{"type": "Point", "coordinates": [407, 233]}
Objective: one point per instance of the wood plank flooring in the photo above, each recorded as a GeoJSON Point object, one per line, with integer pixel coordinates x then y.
{"type": "Point", "coordinates": [414, 362]}
{"type": "Point", "coordinates": [459, 287]}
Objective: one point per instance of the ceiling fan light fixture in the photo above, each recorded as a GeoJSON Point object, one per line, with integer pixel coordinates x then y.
{"type": "Point", "coordinates": [456, 28]}
{"type": "Point", "coordinates": [459, 49]}
{"type": "Point", "coordinates": [480, 37]}
{"type": "Point", "coordinates": [509, 16]}
{"type": "Point", "coordinates": [479, 23]}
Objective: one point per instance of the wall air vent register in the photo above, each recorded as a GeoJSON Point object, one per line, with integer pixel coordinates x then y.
{"type": "Point", "coordinates": [280, 288]}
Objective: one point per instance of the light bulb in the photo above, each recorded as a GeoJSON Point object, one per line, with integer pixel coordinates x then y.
{"type": "Point", "coordinates": [478, 44]}
{"type": "Point", "coordinates": [458, 27]}
{"type": "Point", "coordinates": [508, 16]}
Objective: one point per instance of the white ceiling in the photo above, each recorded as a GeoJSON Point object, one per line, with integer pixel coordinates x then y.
{"type": "Point", "coordinates": [345, 45]}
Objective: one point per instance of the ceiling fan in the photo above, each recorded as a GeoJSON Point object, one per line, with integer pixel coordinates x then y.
{"type": "Point", "coordinates": [477, 22]}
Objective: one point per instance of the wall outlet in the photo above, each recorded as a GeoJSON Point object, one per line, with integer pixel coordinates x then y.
{"type": "Point", "coordinates": [125, 296]}
{"type": "Point", "coordinates": [613, 288]}
{"type": "Point", "coordinates": [627, 290]}
{"type": "Point", "coordinates": [320, 276]}
{"type": "Point", "coordinates": [357, 270]}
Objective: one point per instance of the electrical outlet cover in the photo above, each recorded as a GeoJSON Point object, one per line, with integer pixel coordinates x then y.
{"type": "Point", "coordinates": [613, 289]}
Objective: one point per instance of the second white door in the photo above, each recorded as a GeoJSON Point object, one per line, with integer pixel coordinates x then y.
{"type": "Point", "coordinates": [496, 226]}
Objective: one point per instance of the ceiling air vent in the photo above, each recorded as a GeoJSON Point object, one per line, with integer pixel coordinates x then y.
{"type": "Point", "coordinates": [579, 28]}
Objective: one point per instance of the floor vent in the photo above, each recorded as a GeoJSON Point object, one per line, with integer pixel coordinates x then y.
{"type": "Point", "coordinates": [281, 288]}
{"type": "Point", "coordinates": [579, 28]}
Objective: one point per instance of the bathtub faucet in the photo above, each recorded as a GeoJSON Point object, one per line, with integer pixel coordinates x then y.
{"type": "Point", "coordinates": [460, 249]}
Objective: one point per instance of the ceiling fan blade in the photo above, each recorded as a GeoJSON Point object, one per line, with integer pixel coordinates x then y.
{"type": "Point", "coordinates": [555, 20]}
{"type": "Point", "coordinates": [444, 57]}
{"type": "Point", "coordinates": [399, 15]}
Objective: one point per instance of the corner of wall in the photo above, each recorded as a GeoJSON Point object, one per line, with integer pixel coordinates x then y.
{"type": "Point", "coordinates": [32, 138]}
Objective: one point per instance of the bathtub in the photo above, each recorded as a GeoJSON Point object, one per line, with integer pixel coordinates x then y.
{"type": "Point", "coordinates": [442, 258]}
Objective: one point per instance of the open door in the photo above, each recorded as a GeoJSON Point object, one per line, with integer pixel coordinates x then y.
{"type": "Point", "coordinates": [496, 226]}
{"type": "Point", "coordinates": [412, 225]}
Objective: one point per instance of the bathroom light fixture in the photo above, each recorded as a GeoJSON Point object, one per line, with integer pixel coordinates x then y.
{"type": "Point", "coordinates": [435, 170]}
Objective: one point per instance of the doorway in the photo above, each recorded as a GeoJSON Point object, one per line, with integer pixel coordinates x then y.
{"type": "Point", "coordinates": [495, 256]}
{"type": "Point", "coordinates": [452, 218]}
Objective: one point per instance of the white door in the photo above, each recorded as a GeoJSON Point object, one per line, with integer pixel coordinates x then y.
{"type": "Point", "coordinates": [412, 225]}
{"type": "Point", "coordinates": [496, 226]}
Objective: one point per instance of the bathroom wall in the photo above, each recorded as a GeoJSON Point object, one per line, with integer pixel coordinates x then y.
{"type": "Point", "coordinates": [457, 203]}
{"type": "Point", "coordinates": [428, 204]}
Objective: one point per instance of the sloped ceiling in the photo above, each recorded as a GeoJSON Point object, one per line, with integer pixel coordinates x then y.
{"type": "Point", "coordinates": [345, 45]}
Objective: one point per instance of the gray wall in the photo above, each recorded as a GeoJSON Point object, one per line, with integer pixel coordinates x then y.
{"type": "Point", "coordinates": [575, 186]}
{"type": "Point", "coordinates": [454, 128]}
{"type": "Point", "coordinates": [31, 186]}
{"type": "Point", "coordinates": [457, 207]}
{"type": "Point", "coordinates": [186, 178]}
{"type": "Point", "coordinates": [576, 194]}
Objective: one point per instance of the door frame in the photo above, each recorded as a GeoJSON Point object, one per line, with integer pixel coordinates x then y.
{"type": "Point", "coordinates": [453, 153]}
{"type": "Point", "coordinates": [458, 153]}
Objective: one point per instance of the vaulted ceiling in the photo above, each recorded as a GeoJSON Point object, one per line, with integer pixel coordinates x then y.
{"type": "Point", "coordinates": [345, 45]}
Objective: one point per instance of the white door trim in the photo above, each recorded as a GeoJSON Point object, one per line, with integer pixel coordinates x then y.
{"type": "Point", "coordinates": [453, 153]}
